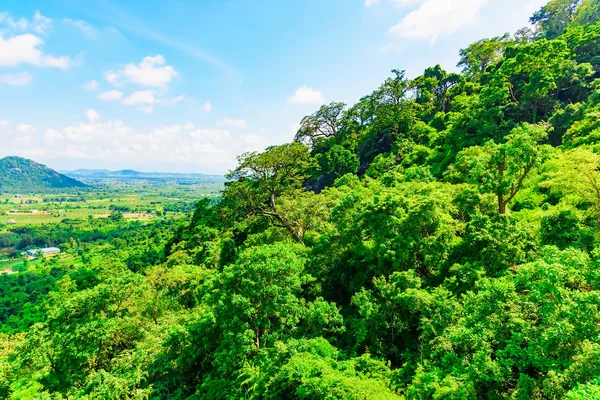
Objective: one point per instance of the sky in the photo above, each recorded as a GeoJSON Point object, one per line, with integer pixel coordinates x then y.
{"type": "Point", "coordinates": [188, 85]}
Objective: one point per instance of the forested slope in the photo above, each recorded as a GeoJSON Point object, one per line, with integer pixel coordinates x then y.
{"type": "Point", "coordinates": [22, 175]}
{"type": "Point", "coordinates": [440, 239]}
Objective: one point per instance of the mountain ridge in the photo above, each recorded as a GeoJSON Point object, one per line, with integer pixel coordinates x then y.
{"type": "Point", "coordinates": [130, 173]}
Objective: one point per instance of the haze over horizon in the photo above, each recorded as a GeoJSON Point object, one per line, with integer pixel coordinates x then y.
{"type": "Point", "coordinates": [177, 86]}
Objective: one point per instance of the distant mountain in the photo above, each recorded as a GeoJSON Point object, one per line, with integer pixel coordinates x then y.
{"type": "Point", "coordinates": [132, 174]}
{"type": "Point", "coordinates": [128, 172]}
{"type": "Point", "coordinates": [86, 172]}
{"type": "Point", "coordinates": [22, 175]}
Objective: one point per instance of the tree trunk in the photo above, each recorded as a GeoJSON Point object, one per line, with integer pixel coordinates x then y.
{"type": "Point", "coordinates": [501, 205]}
{"type": "Point", "coordinates": [295, 234]}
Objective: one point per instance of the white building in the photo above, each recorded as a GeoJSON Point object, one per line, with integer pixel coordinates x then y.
{"type": "Point", "coordinates": [45, 252]}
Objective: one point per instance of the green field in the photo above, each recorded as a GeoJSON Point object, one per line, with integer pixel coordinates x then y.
{"type": "Point", "coordinates": [135, 199]}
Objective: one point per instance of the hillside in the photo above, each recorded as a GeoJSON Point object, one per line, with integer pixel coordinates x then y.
{"type": "Point", "coordinates": [439, 239]}
{"type": "Point", "coordinates": [22, 175]}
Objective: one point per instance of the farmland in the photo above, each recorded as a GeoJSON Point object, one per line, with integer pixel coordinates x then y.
{"type": "Point", "coordinates": [85, 222]}
{"type": "Point", "coordinates": [134, 199]}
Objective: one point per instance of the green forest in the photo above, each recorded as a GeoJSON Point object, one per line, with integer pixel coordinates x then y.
{"type": "Point", "coordinates": [439, 239]}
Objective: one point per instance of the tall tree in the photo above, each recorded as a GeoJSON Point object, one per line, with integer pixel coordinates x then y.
{"type": "Point", "coordinates": [260, 293]}
{"type": "Point", "coordinates": [533, 79]}
{"type": "Point", "coordinates": [436, 85]}
{"type": "Point", "coordinates": [501, 168]}
{"type": "Point", "coordinates": [262, 177]}
{"type": "Point", "coordinates": [554, 18]}
{"type": "Point", "coordinates": [323, 124]}
{"type": "Point", "coordinates": [475, 59]}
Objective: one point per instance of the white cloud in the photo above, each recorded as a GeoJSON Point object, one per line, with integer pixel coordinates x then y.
{"type": "Point", "coordinates": [234, 123]}
{"type": "Point", "coordinates": [21, 79]}
{"type": "Point", "coordinates": [40, 24]}
{"type": "Point", "coordinates": [85, 28]}
{"type": "Point", "coordinates": [23, 49]}
{"type": "Point", "coordinates": [140, 97]}
{"type": "Point", "coordinates": [145, 99]}
{"type": "Point", "coordinates": [214, 136]}
{"type": "Point", "coordinates": [390, 48]}
{"type": "Point", "coordinates": [306, 95]}
{"type": "Point", "coordinates": [115, 142]}
{"type": "Point", "coordinates": [175, 129]}
{"type": "Point", "coordinates": [12, 24]}
{"type": "Point", "coordinates": [26, 129]}
{"type": "Point", "coordinates": [173, 100]}
{"type": "Point", "coordinates": [406, 3]}
{"type": "Point", "coordinates": [253, 143]}
{"type": "Point", "coordinates": [112, 77]}
{"type": "Point", "coordinates": [91, 85]}
{"type": "Point", "coordinates": [92, 116]}
{"type": "Point", "coordinates": [151, 71]}
{"type": "Point", "coordinates": [398, 3]}
{"type": "Point", "coordinates": [207, 106]}
{"type": "Point", "coordinates": [436, 18]}
{"type": "Point", "coordinates": [111, 95]}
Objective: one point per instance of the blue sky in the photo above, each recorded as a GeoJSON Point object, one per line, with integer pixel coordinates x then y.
{"type": "Point", "coordinates": [176, 85]}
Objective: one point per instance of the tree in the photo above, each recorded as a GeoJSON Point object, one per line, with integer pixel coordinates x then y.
{"type": "Point", "coordinates": [314, 369]}
{"type": "Point", "coordinates": [578, 173]}
{"type": "Point", "coordinates": [259, 293]}
{"type": "Point", "coordinates": [262, 177]}
{"type": "Point", "coordinates": [554, 18]}
{"type": "Point", "coordinates": [392, 112]}
{"type": "Point", "coordinates": [338, 161]}
{"type": "Point", "coordinates": [389, 314]}
{"type": "Point", "coordinates": [393, 108]}
{"type": "Point", "coordinates": [524, 36]}
{"type": "Point", "coordinates": [584, 43]}
{"type": "Point", "coordinates": [501, 168]}
{"type": "Point", "coordinates": [435, 85]}
{"type": "Point", "coordinates": [475, 59]}
{"type": "Point", "coordinates": [582, 121]}
{"type": "Point", "coordinates": [323, 124]}
{"type": "Point", "coordinates": [116, 216]}
{"type": "Point", "coordinates": [533, 79]}
{"type": "Point", "coordinates": [564, 229]}
{"type": "Point", "coordinates": [587, 13]}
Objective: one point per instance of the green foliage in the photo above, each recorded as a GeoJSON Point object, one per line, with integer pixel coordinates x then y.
{"type": "Point", "coordinates": [313, 369]}
{"type": "Point", "coordinates": [565, 229]}
{"type": "Point", "coordinates": [338, 161]}
{"type": "Point", "coordinates": [476, 58]}
{"type": "Point", "coordinates": [321, 125]}
{"type": "Point", "coordinates": [267, 281]}
{"type": "Point", "coordinates": [588, 391]}
{"type": "Point", "coordinates": [501, 169]}
{"type": "Point", "coordinates": [556, 16]}
{"type": "Point", "coordinates": [437, 240]}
